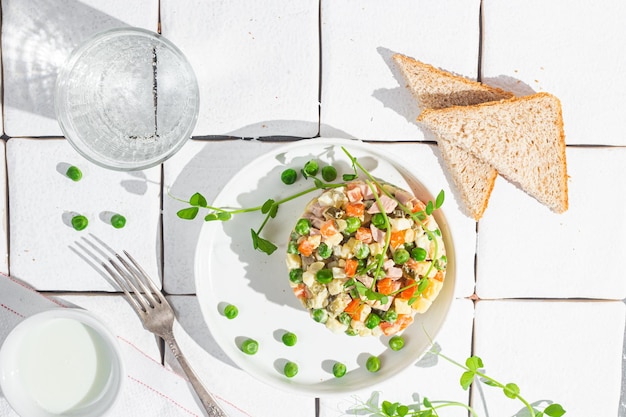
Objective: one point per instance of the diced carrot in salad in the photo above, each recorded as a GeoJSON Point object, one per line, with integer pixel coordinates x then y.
{"type": "Point", "coordinates": [387, 286]}
{"type": "Point", "coordinates": [329, 228]}
{"type": "Point", "coordinates": [306, 247]}
{"type": "Point", "coordinates": [355, 209]}
{"type": "Point", "coordinates": [409, 292]}
{"type": "Point", "coordinates": [351, 266]}
{"type": "Point", "coordinates": [354, 309]}
{"type": "Point", "coordinates": [364, 235]}
{"type": "Point", "coordinates": [397, 238]}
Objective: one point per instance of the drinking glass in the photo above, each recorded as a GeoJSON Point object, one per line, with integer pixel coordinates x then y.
{"type": "Point", "coordinates": [127, 99]}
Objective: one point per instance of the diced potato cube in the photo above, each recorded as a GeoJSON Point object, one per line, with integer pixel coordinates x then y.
{"type": "Point", "coordinates": [336, 286]}
{"type": "Point", "coordinates": [421, 305]}
{"type": "Point", "coordinates": [333, 240]}
{"type": "Point", "coordinates": [336, 326]}
{"type": "Point", "coordinates": [402, 306]}
{"type": "Point", "coordinates": [308, 278]}
{"type": "Point", "coordinates": [376, 249]}
{"type": "Point", "coordinates": [339, 304]}
{"type": "Point", "coordinates": [338, 272]}
{"type": "Point", "coordinates": [400, 224]}
{"type": "Point", "coordinates": [326, 199]}
{"type": "Point", "coordinates": [293, 261]}
{"type": "Point", "coordinates": [433, 289]}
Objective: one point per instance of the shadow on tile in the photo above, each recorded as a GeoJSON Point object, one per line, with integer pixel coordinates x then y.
{"type": "Point", "coordinates": [37, 38]}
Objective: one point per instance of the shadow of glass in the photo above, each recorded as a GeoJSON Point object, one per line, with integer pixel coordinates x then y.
{"type": "Point", "coordinates": [38, 37]}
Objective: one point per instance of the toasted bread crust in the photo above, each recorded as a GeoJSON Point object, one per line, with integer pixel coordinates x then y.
{"type": "Point", "coordinates": [462, 125]}
{"type": "Point", "coordinates": [434, 88]}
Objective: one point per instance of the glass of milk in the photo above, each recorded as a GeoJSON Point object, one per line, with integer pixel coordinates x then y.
{"type": "Point", "coordinates": [61, 362]}
{"type": "Point", "coordinates": [127, 99]}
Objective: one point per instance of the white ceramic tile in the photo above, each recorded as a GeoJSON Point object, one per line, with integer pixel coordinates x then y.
{"type": "Point", "coordinates": [221, 376]}
{"type": "Point", "coordinates": [573, 49]}
{"type": "Point", "coordinates": [430, 377]}
{"type": "Point", "coordinates": [121, 319]}
{"type": "Point", "coordinates": [525, 250]}
{"type": "Point", "coordinates": [4, 237]}
{"type": "Point", "coordinates": [568, 352]}
{"type": "Point", "coordinates": [257, 64]}
{"type": "Point", "coordinates": [44, 248]}
{"type": "Point", "coordinates": [363, 95]}
{"type": "Point", "coordinates": [37, 38]}
{"type": "Point", "coordinates": [204, 167]}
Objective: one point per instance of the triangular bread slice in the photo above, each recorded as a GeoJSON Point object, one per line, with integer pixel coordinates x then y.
{"type": "Point", "coordinates": [522, 138]}
{"type": "Point", "coordinates": [436, 89]}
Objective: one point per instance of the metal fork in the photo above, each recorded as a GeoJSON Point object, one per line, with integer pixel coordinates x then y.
{"type": "Point", "coordinates": [157, 316]}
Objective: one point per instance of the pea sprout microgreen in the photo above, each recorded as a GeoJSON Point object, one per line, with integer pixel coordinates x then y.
{"type": "Point", "coordinates": [472, 371]}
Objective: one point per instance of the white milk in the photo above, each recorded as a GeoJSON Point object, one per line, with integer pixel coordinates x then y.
{"type": "Point", "coordinates": [64, 365]}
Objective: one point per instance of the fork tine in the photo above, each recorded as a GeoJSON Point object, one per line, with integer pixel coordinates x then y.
{"type": "Point", "coordinates": [128, 279]}
{"type": "Point", "coordinates": [118, 280]}
{"type": "Point", "coordinates": [145, 275]}
{"type": "Point", "coordinates": [151, 295]}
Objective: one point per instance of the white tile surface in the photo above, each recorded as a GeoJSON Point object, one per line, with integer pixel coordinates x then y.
{"type": "Point", "coordinates": [257, 64]}
{"type": "Point", "coordinates": [431, 377]}
{"type": "Point", "coordinates": [565, 351]}
{"type": "Point", "coordinates": [4, 236]}
{"type": "Point", "coordinates": [525, 250]}
{"type": "Point", "coordinates": [204, 167]}
{"type": "Point", "coordinates": [43, 245]}
{"type": "Point", "coordinates": [572, 49]}
{"type": "Point", "coordinates": [37, 38]}
{"type": "Point", "coordinates": [249, 395]}
{"type": "Point", "coordinates": [363, 96]}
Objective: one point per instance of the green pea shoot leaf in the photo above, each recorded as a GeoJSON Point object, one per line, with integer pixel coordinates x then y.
{"type": "Point", "coordinates": [467, 378]}
{"type": "Point", "coordinates": [262, 244]}
{"type": "Point", "coordinates": [511, 390]}
{"type": "Point", "coordinates": [474, 363]}
{"type": "Point", "coordinates": [188, 213]}
{"type": "Point", "coordinates": [554, 410]}
{"type": "Point", "coordinates": [198, 200]}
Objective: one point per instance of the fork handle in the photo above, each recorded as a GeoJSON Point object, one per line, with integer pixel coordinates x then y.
{"type": "Point", "coordinates": [208, 401]}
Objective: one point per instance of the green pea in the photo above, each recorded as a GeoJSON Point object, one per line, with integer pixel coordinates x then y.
{"type": "Point", "coordinates": [329, 173]}
{"type": "Point", "coordinates": [320, 315]}
{"type": "Point", "coordinates": [79, 222]}
{"type": "Point", "coordinates": [372, 321]}
{"type": "Point", "coordinates": [324, 276]}
{"type": "Point", "coordinates": [419, 254]}
{"type": "Point", "coordinates": [292, 247]}
{"type": "Point", "coordinates": [362, 251]}
{"type": "Point", "coordinates": [373, 364]}
{"type": "Point", "coordinates": [352, 332]}
{"type": "Point", "coordinates": [74, 173]}
{"type": "Point", "coordinates": [289, 339]}
{"type": "Point", "coordinates": [339, 369]}
{"type": "Point", "coordinates": [390, 316]}
{"type": "Point", "coordinates": [324, 251]}
{"type": "Point", "coordinates": [295, 275]}
{"type": "Point", "coordinates": [344, 318]}
{"type": "Point", "coordinates": [290, 369]}
{"type": "Point", "coordinates": [396, 343]}
{"type": "Point", "coordinates": [352, 224]}
{"type": "Point", "coordinates": [231, 311]}
{"type": "Point", "coordinates": [118, 221]}
{"type": "Point", "coordinates": [250, 346]}
{"type": "Point", "coordinates": [311, 168]}
{"type": "Point", "coordinates": [378, 220]}
{"type": "Point", "coordinates": [303, 227]}
{"type": "Point", "coordinates": [400, 256]}
{"type": "Point", "coordinates": [289, 176]}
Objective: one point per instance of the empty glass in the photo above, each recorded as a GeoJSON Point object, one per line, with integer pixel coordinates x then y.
{"type": "Point", "coordinates": [127, 99]}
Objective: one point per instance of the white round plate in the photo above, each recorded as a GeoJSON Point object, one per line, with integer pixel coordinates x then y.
{"type": "Point", "coordinates": [230, 271]}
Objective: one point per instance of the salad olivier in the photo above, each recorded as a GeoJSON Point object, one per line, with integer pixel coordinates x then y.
{"type": "Point", "coordinates": [365, 258]}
